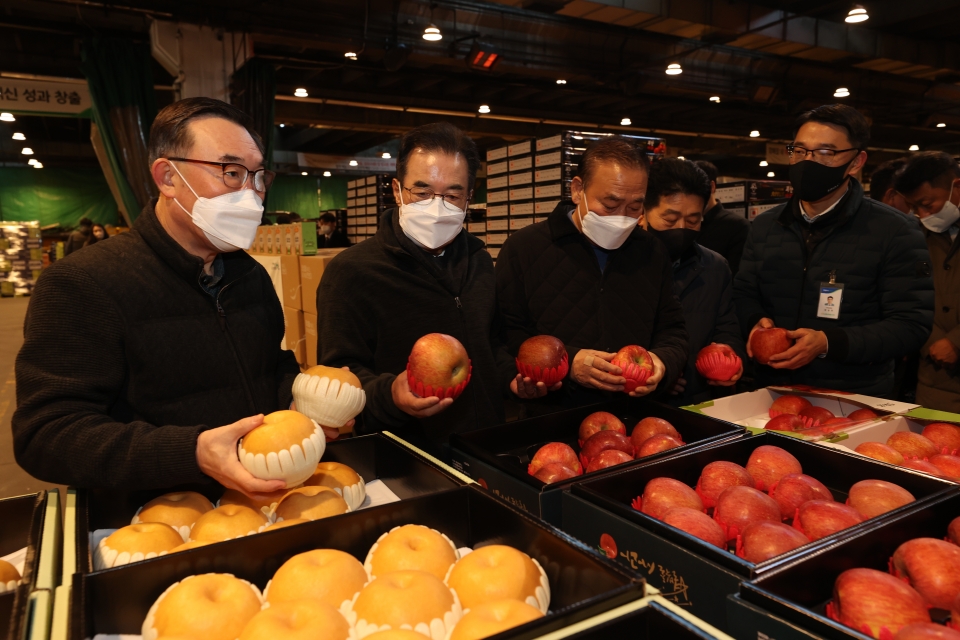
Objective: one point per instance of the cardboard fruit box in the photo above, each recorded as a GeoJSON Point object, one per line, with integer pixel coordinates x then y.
{"type": "Point", "coordinates": [21, 533]}
{"type": "Point", "coordinates": [791, 601]}
{"type": "Point", "coordinates": [914, 421]}
{"type": "Point", "coordinates": [404, 470]}
{"type": "Point", "coordinates": [582, 584]}
{"type": "Point", "coordinates": [686, 569]}
{"type": "Point", "coordinates": [497, 457]}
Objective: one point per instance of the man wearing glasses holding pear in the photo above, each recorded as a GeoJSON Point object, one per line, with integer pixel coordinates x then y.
{"type": "Point", "coordinates": [422, 273]}
{"type": "Point", "coordinates": [847, 276]}
{"type": "Point", "coordinates": [187, 326]}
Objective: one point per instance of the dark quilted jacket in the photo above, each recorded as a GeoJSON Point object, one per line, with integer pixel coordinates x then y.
{"type": "Point", "coordinates": [549, 282]}
{"type": "Point", "coordinates": [881, 258]}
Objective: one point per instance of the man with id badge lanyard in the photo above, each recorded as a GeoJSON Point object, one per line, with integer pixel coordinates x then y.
{"type": "Point", "coordinates": [848, 276]}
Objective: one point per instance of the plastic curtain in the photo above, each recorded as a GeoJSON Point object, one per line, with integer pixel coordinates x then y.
{"type": "Point", "coordinates": [120, 77]}
{"type": "Point", "coordinates": [55, 196]}
{"type": "Point", "coordinates": [252, 90]}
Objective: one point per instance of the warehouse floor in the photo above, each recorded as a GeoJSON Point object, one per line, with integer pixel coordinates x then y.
{"type": "Point", "coordinates": [14, 481]}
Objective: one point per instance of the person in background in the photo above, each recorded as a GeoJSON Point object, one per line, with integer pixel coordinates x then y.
{"type": "Point", "coordinates": [591, 277]}
{"type": "Point", "coordinates": [930, 184]}
{"type": "Point", "coordinates": [98, 232]}
{"type": "Point", "coordinates": [722, 231]}
{"type": "Point", "coordinates": [79, 237]}
{"type": "Point", "coordinates": [328, 235]}
{"type": "Point", "coordinates": [831, 240]}
{"type": "Point", "coordinates": [882, 185]}
{"type": "Point", "coordinates": [677, 192]}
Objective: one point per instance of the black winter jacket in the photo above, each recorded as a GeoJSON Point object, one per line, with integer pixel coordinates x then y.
{"type": "Point", "coordinates": [704, 285]}
{"type": "Point", "coordinates": [549, 282]}
{"type": "Point", "coordinates": [167, 365]}
{"type": "Point", "coordinates": [377, 298]}
{"type": "Point", "coordinates": [724, 232]}
{"type": "Point", "coordinates": [881, 258]}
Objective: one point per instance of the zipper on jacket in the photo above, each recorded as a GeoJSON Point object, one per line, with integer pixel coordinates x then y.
{"type": "Point", "coordinates": [222, 317]}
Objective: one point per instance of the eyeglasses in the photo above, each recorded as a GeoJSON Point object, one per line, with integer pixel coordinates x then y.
{"type": "Point", "coordinates": [802, 152]}
{"type": "Point", "coordinates": [419, 194]}
{"type": "Point", "coordinates": [235, 175]}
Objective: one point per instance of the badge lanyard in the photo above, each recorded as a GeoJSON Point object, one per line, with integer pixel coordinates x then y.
{"type": "Point", "coordinates": [831, 294]}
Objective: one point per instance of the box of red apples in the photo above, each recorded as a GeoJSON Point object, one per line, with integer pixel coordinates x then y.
{"type": "Point", "coordinates": [804, 412]}
{"type": "Point", "coordinates": [530, 462]}
{"type": "Point", "coordinates": [893, 581]}
{"type": "Point", "coordinates": [697, 524]}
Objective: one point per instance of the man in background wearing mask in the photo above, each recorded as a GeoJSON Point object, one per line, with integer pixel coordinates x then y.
{"type": "Point", "coordinates": [187, 326]}
{"type": "Point", "coordinates": [328, 236]}
{"type": "Point", "coordinates": [882, 182]}
{"type": "Point", "coordinates": [673, 213]}
{"type": "Point", "coordinates": [930, 184]}
{"type": "Point", "coordinates": [591, 277]}
{"type": "Point", "coordinates": [422, 273]}
{"type": "Point", "coordinates": [829, 240]}
{"type": "Point", "coordinates": [722, 231]}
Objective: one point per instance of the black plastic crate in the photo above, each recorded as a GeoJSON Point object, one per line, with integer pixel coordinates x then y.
{"type": "Point", "coordinates": [582, 584]}
{"type": "Point", "coordinates": [22, 526]}
{"type": "Point", "coordinates": [653, 621]}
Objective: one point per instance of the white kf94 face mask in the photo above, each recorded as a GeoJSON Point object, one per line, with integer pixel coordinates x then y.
{"type": "Point", "coordinates": [431, 223]}
{"type": "Point", "coordinates": [229, 221]}
{"type": "Point", "coordinates": [608, 232]}
{"type": "Point", "coordinates": [944, 219]}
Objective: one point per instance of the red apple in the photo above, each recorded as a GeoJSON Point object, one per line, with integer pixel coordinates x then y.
{"type": "Point", "coordinates": [912, 445]}
{"type": "Point", "coordinates": [600, 442]}
{"type": "Point", "coordinates": [554, 452]}
{"type": "Point", "coordinates": [795, 489]}
{"type": "Point", "coordinates": [767, 464]}
{"type": "Point", "coordinates": [789, 404]}
{"type": "Point", "coordinates": [834, 422]}
{"type": "Point", "coordinates": [880, 451]}
{"type": "Point", "coordinates": [869, 601]}
{"type": "Point", "coordinates": [817, 414]}
{"type": "Point", "coordinates": [955, 613]}
{"type": "Point", "coordinates": [600, 421]}
{"type": "Point", "coordinates": [948, 465]}
{"type": "Point", "coordinates": [738, 507]}
{"type": "Point", "coordinates": [696, 523]}
{"type": "Point", "coordinates": [438, 366]}
{"type": "Point", "coordinates": [953, 534]}
{"type": "Point", "coordinates": [554, 472]}
{"type": "Point", "coordinates": [821, 518]}
{"type": "Point", "coordinates": [926, 631]}
{"type": "Point", "coordinates": [930, 566]}
{"type": "Point", "coordinates": [718, 362]}
{"type": "Point", "coordinates": [765, 343]}
{"type": "Point", "coordinates": [649, 427]}
{"type": "Point", "coordinates": [863, 414]}
{"type": "Point", "coordinates": [945, 436]}
{"type": "Point", "coordinates": [785, 422]}
{"type": "Point", "coordinates": [636, 364]}
{"type": "Point", "coordinates": [608, 458]}
{"type": "Point", "coordinates": [608, 545]}
{"type": "Point", "coordinates": [543, 359]}
{"type": "Point", "coordinates": [763, 540]}
{"type": "Point", "coordinates": [718, 476]}
{"type": "Point", "coordinates": [658, 443]}
{"type": "Point", "coordinates": [662, 494]}
{"type": "Point", "coordinates": [922, 465]}
{"type": "Point", "coordinates": [873, 497]}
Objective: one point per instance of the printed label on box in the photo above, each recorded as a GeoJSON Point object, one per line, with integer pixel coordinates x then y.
{"type": "Point", "coordinates": [549, 190]}
{"type": "Point", "coordinates": [496, 238]}
{"type": "Point", "coordinates": [520, 223]}
{"type": "Point", "coordinates": [498, 210]}
{"type": "Point", "coordinates": [523, 193]}
{"type": "Point", "coordinates": [549, 143]}
{"type": "Point", "coordinates": [476, 227]}
{"type": "Point", "coordinates": [521, 178]}
{"type": "Point", "coordinates": [497, 196]}
{"type": "Point", "coordinates": [496, 154]}
{"type": "Point", "coordinates": [545, 206]}
{"type": "Point", "coordinates": [521, 163]}
{"type": "Point", "coordinates": [497, 168]}
{"type": "Point", "coordinates": [519, 148]}
{"type": "Point", "coordinates": [548, 159]}
{"type": "Point", "coordinates": [549, 175]}
{"type": "Point", "coordinates": [498, 224]}
{"type": "Point", "coordinates": [757, 209]}
{"type": "Point", "coordinates": [498, 183]}
{"type": "Point", "coordinates": [522, 209]}
{"type": "Point", "coordinates": [732, 193]}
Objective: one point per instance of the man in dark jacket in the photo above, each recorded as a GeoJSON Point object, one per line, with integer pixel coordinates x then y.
{"type": "Point", "coordinates": [722, 231]}
{"type": "Point", "coordinates": [829, 240]}
{"type": "Point", "coordinates": [673, 213]}
{"type": "Point", "coordinates": [421, 273]}
{"type": "Point", "coordinates": [79, 237]}
{"type": "Point", "coordinates": [187, 327]}
{"type": "Point", "coordinates": [930, 184]}
{"type": "Point", "coordinates": [591, 277]}
{"type": "Point", "coordinates": [328, 235]}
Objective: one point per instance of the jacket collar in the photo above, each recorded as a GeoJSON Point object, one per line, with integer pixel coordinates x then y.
{"type": "Point", "coordinates": [561, 225]}
{"type": "Point", "coordinates": [846, 208]}
{"type": "Point", "coordinates": [687, 271]}
{"type": "Point", "coordinates": [713, 212]}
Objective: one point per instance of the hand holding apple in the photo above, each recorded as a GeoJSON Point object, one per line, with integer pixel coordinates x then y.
{"type": "Point", "coordinates": [593, 369]}
{"type": "Point", "coordinates": [411, 404]}
{"type": "Point", "coordinates": [809, 345]}
{"type": "Point", "coordinates": [658, 370]}
{"type": "Point", "coordinates": [765, 323]}
{"type": "Point", "coordinates": [527, 389]}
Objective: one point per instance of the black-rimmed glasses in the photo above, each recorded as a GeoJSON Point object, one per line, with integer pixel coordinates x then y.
{"type": "Point", "coordinates": [235, 175]}
{"type": "Point", "coordinates": [803, 152]}
{"type": "Point", "coordinates": [421, 194]}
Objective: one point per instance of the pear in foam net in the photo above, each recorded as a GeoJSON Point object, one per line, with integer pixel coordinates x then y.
{"type": "Point", "coordinates": [287, 446]}
{"type": "Point", "coordinates": [329, 395]}
{"type": "Point", "coordinates": [209, 606]}
{"type": "Point", "coordinates": [180, 510]}
{"type": "Point", "coordinates": [135, 542]}
{"type": "Point", "coordinates": [342, 479]}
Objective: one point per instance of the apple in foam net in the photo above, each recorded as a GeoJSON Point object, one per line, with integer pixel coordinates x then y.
{"type": "Point", "coordinates": [922, 465]}
{"type": "Point", "coordinates": [785, 422]}
{"type": "Point", "coordinates": [930, 566]}
{"type": "Point", "coordinates": [767, 464]}
{"type": "Point", "coordinates": [795, 489]}
{"type": "Point", "coordinates": [789, 404]}
{"type": "Point", "coordinates": [600, 421]}
{"type": "Point", "coordinates": [649, 427]}
{"type": "Point", "coordinates": [948, 465]}
{"type": "Point", "coordinates": [738, 507]}
{"type": "Point", "coordinates": [912, 445]}
{"type": "Point", "coordinates": [765, 539]}
{"type": "Point", "coordinates": [600, 442]}
{"type": "Point", "coordinates": [869, 601]}
{"type": "Point", "coordinates": [718, 362]}
{"type": "Point", "coordinates": [658, 443]}
{"type": "Point", "coordinates": [636, 364]}
{"type": "Point", "coordinates": [554, 452]}
{"type": "Point", "coordinates": [874, 497]}
{"type": "Point", "coordinates": [880, 451]}
{"type": "Point", "coordinates": [438, 361]}
{"type": "Point", "coordinates": [766, 343]}
{"type": "Point", "coordinates": [926, 631]}
{"type": "Point", "coordinates": [945, 436]}
{"type": "Point", "coordinates": [817, 414]}
{"type": "Point", "coordinates": [718, 476]}
{"type": "Point", "coordinates": [821, 518]}
{"type": "Point", "coordinates": [662, 494]}
{"type": "Point", "coordinates": [863, 414]}
{"type": "Point", "coordinates": [696, 523]}
{"type": "Point", "coordinates": [554, 472]}
{"type": "Point", "coordinates": [608, 458]}
{"type": "Point", "coordinates": [545, 352]}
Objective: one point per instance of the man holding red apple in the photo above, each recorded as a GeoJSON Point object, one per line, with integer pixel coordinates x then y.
{"type": "Point", "coordinates": [591, 277]}
{"type": "Point", "coordinates": [830, 240]}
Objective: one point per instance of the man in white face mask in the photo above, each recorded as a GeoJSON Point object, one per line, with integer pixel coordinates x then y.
{"type": "Point", "coordinates": [187, 327]}
{"type": "Point", "coordinates": [590, 276]}
{"type": "Point", "coordinates": [930, 185]}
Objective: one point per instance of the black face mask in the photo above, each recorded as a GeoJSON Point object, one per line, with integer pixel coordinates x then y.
{"type": "Point", "coordinates": [813, 181]}
{"type": "Point", "coordinates": [677, 241]}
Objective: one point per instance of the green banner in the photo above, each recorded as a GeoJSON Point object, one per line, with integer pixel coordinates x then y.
{"type": "Point", "coordinates": [299, 194]}
{"type": "Point", "coordinates": [55, 196]}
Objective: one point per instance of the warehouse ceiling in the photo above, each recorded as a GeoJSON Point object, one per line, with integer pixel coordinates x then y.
{"type": "Point", "coordinates": [767, 61]}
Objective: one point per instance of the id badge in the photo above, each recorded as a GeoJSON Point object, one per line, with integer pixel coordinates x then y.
{"type": "Point", "coordinates": [831, 294]}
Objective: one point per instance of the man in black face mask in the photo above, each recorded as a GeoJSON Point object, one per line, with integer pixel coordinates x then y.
{"type": "Point", "coordinates": [673, 212]}
{"type": "Point", "coordinates": [830, 240]}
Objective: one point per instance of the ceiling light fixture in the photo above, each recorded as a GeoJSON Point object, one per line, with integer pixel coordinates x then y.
{"type": "Point", "coordinates": [626, 122]}
{"type": "Point", "coordinates": [7, 117]}
{"type": "Point", "coordinates": [561, 81]}
{"type": "Point", "coordinates": [674, 69]}
{"type": "Point", "coordinates": [715, 99]}
{"type": "Point", "coordinates": [841, 92]}
{"type": "Point", "coordinates": [350, 55]}
{"type": "Point", "coordinates": [386, 155]}
{"type": "Point", "coordinates": [754, 134]}
{"type": "Point", "coordinates": [282, 125]}
{"type": "Point", "coordinates": [353, 163]}
{"type": "Point", "coordinates": [327, 174]}
{"type": "Point", "coordinates": [303, 173]}
{"type": "Point", "coordinates": [764, 163]}
{"type": "Point", "coordinates": [432, 33]}
{"type": "Point", "coordinates": [484, 108]}
{"type": "Point", "coordinates": [20, 136]}
{"type": "Point", "coordinates": [914, 147]}
{"type": "Point", "coordinates": [940, 125]}
{"type": "Point", "coordinates": [857, 14]}
{"type": "Point", "coordinates": [27, 151]}
{"type": "Point", "coordinates": [38, 165]}
{"type": "Point", "coordinates": [680, 158]}
{"type": "Point", "coordinates": [771, 174]}
{"type": "Point", "coordinates": [301, 93]}
{"type": "Point", "coordinates": [32, 161]}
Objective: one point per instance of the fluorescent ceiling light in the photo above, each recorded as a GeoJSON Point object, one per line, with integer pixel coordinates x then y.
{"type": "Point", "coordinates": [771, 174]}
{"type": "Point", "coordinates": [561, 81]}
{"type": "Point", "coordinates": [626, 122]}
{"type": "Point", "coordinates": [914, 147]}
{"type": "Point", "coordinates": [386, 155]}
{"type": "Point", "coordinates": [432, 34]}
{"type": "Point", "coordinates": [857, 14]}
{"type": "Point", "coordinates": [20, 136]}
{"type": "Point", "coordinates": [715, 99]}
{"type": "Point", "coordinates": [301, 93]}
{"type": "Point", "coordinates": [7, 117]}
{"type": "Point", "coordinates": [764, 163]}
{"type": "Point", "coordinates": [484, 109]}
{"type": "Point", "coordinates": [327, 174]}
{"type": "Point", "coordinates": [27, 151]}
{"type": "Point", "coordinates": [353, 163]}
{"type": "Point", "coordinates": [754, 134]}
{"type": "Point", "coordinates": [674, 69]}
